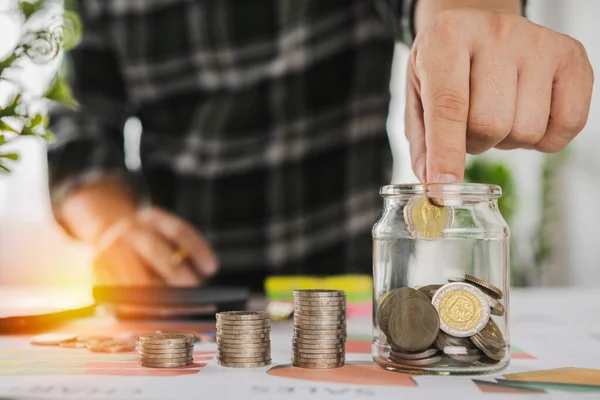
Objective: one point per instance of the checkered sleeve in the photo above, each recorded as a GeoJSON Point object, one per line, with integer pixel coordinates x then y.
{"type": "Point", "coordinates": [89, 141]}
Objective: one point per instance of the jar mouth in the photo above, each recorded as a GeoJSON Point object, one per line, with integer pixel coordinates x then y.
{"type": "Point", "coordinates": [442, 189]}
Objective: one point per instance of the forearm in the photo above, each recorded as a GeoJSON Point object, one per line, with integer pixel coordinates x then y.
{"type": "Point", "coordinates": [427, 10]}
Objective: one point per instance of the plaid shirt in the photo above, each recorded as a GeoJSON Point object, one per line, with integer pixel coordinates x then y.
{"type": "Point", "coordinates": [264, 121]}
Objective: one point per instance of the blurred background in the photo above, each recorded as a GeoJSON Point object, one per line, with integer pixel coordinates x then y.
{"type": "Point", "coordinates": [550, 200]}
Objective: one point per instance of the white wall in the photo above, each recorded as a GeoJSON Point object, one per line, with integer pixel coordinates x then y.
{"type": "Point", "coordinates": [580, 180]}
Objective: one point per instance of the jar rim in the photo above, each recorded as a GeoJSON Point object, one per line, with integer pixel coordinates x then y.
{"type": "Point", "coordinates": [442, 189]}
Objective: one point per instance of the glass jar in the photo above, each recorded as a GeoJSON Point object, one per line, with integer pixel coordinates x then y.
{"type": "Point", "coordinates": [441, 280]}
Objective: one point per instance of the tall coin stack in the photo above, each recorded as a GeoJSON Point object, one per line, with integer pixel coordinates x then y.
{"type": "Point", "coordinates": [243, 339]}
{"type": "Point", "coordinates": [166, 350]}
{"type": "Point", "coordinates": [319, 329]}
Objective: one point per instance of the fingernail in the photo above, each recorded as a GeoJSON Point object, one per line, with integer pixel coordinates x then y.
{"type": "Point", "coordinates": [422, 175]}
{"type": "Point", "coordinates": [210, 265]}
{"type": "Point", "coordinates": [446, 178]}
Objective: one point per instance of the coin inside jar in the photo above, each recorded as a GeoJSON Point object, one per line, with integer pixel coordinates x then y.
{"type": "Point", "coordinates": [391, 301]}
{"type": "Point", "coordinates": [425, 219]}
{"type": "Point", "coordinates": [414, 325]}
{"type": "Point", "coordinates": [463, 309]}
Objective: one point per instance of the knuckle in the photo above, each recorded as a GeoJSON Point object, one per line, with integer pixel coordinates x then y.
{"type": "Point", "coordinates": [448, 21]}
{"type": "Point", "coordinates": [573, 122]}
{"type": "Point", "coordinates": [488, 127]}
{"type": "Point", "coordinates": [503, 26]}
{"type": "Point", "coordinates": [449, 105]}
{"type": "Point", "coordinates": [526, 133]}
{"type": "Point", "coordinates": [549, 146]}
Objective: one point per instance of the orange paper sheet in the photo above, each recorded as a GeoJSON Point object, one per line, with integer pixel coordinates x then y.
{"type": "Point", "coordinates": [571, 375]}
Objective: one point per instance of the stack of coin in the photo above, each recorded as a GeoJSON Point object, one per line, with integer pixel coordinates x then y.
{"type": "Point", "coordinates": [243, 339]}
{"type": "Point", "coordinates": [319, 329]}
{"type": "Point", "coordinates": [166, 350]}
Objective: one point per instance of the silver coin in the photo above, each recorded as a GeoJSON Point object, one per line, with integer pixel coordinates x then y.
{"type": "Point", "coordinates": [413, 355]}
{"type": "Point", "coordinates": [339, 334]}
{"type": "Point", "coordinates": [147, 356]}
{"type": "Point", "coordinates": [467, 359]}
{"type": "Point", "coordinates": [245, 364]}
{"type": "Point", "coordinates": [326, 319]}
{"type": "Point", "coordinates": [496, 307]}
{"type": "Point", "coordinates": [252, 324]}
{"type": "Point", "coordinates": [337, 354]}
{"type": "Point", "coordinates": [333, 311]}
{"type": "Point", "coordinates": [325, 346]}
{"type": "Point", "coordinates": [320, 327]}
{"type": "Point", "coordinates": [165, 365]}
{"type": "Point", "coordinates": [243, 352]}
{"type": "Point", "coordinates": [416, 363]}
{"type": "Point", "coordinates": [156, 339]}
{"type": "Point", "coordinates": [242, 330]}
{"type": "Point", "coordinates": [244, 345]}
{"type": "Point", "coordinates": [332, 350]}
{"type": "Point", "coordinates": [244, 342]}
{"type": "Point", "coordinates": [318, 366]}
{"type": "Point", "coordinates": [324, 302]}
{"type": "Point", "coordinates": [242, 315]}
{"type": "Point", "coordinates": [243, 359]}
{"type": "Point", "coordinates": [166, 360]}
{"type": "Point", "coordinates": [319, 293]}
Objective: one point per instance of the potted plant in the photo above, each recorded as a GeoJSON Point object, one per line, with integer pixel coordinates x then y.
{"type": "Point", "coordinates": [47, 29]}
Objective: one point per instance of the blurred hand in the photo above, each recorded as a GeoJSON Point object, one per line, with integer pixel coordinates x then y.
{"type": "Point", "coordinates": [481, 79]}
{"type": "Point", "coordinates": [148, 247]}
{"type": "Point", "coordinates": [153, 247]}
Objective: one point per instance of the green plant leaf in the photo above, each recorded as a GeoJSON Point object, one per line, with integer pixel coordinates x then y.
{"type": "Point", "coordinates": [28, 130]}
{"type": "Point", "coordinates": [7, 128]}
{"type": "Point", "coordinates": [48, 136]}
{"type": "Point", "coordinates": [72, 30]}
{"type": "Point", "coordinates": [28, 8]}
{"type": "Point", "coordinates": [10, 156]}
{"type": "Point", "coordinates": [60, 92]}
{"type": "Point", "coordinates": [4, 168]}
{"type": "Point", "coordinates": [2, 140]}
{"type": "Point", "coordinates": [38, 119]}
{"type": "Point", "coordinates": [11, 109]}
{"type": "Point", "coordinates": [7, 62]}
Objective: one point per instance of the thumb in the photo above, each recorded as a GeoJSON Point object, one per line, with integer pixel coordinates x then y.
{"type": "Point", "coordinates": [443, 72]}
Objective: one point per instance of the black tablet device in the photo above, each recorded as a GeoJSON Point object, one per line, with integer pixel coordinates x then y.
{"type": "Point", "coordinates": [143, 302]}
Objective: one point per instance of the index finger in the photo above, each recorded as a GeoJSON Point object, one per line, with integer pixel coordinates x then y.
{"type": "Point", "coordinates": [443, 70]}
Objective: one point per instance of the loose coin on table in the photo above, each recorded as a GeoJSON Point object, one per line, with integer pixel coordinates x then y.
{"type": "Point", "coordinates": [243, 339]}
{"type": "Point", "coordinates": [463, 309]}
{"type": "Point", "coordinates": [319, 329]}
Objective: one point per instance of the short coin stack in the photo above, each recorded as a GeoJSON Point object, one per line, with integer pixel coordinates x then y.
{"type": "Point", "coordinates": [243, 339]}
{"type": "Point", "coordinates": [166, 350]}
{"type": "Point", "coordinates": [319, 329]}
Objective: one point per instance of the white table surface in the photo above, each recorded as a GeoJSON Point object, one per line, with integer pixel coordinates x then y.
{"type": "Point", "coordinates": [559, 327]}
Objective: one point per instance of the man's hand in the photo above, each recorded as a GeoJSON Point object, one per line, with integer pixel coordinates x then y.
{"type": "Point", "coordinates": [153, 247]}
{"type": "Point", "coordinates": [481, 79]}
{"type": "Point", "coordinates": [148, 247]}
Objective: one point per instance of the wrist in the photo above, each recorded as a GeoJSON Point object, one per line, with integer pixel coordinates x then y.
{"type": "Point", "coordinates": [89, 211]}
{"type": "Point", "coordinates": [426, 11]}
